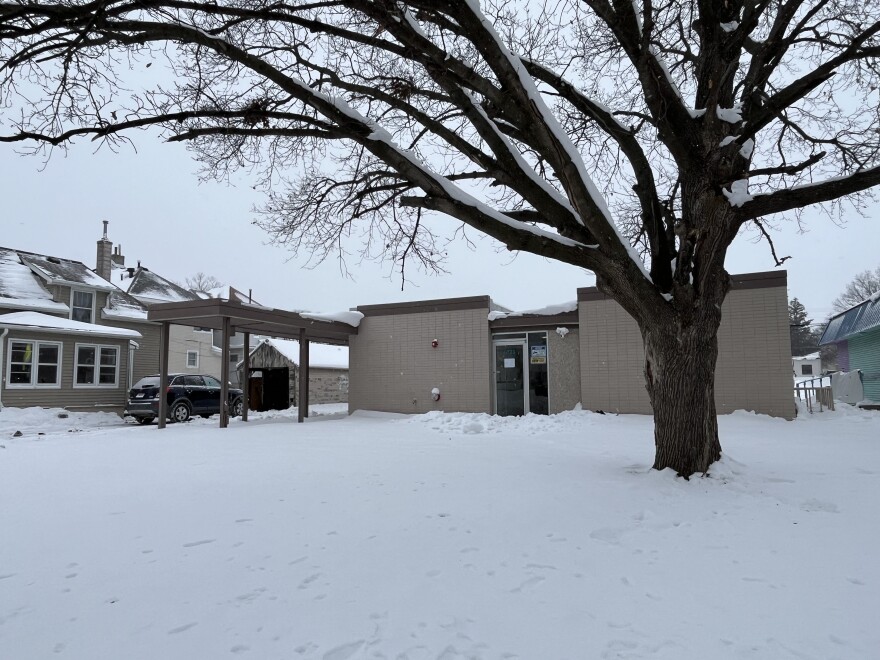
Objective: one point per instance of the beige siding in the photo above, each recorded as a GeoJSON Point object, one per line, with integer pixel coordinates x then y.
{"type": "Point", "coordinates": [564, 371]}
{"type": "Point", "coordinates": [754, 356]}
{"type": "Point", "coordinates": [146, 358]}
{"type": "Point", "coordinates": [67, 396]}
{"type": "Point", "coordinates": [184, 338]}
{"type": "Point", "coordinates": [393, 367]}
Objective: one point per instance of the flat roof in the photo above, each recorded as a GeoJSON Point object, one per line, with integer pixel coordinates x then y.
{"type": "Point", "coordinates": [246, 317]}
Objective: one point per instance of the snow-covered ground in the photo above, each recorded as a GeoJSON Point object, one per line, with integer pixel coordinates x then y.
{"type": "Point", "coordinates": [441, 537]}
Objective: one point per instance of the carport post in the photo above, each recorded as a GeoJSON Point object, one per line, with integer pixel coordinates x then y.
{"type": "Point", "coordinates": [164, 333]}
{"type": "Point", "coordinates": [302, 395]}
{"type": "Point", "coordinates": [224, 376]}
{"type": "Point", "coordinates": [306, 363]}
{"type": "Point", "coordinates": [246, 373]}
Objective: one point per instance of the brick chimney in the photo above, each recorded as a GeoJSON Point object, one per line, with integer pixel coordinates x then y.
{"type": "Point", "coordinates": [105, 255]}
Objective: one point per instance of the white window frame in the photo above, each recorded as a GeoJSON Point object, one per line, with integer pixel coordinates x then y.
{"type": "Point", "coordinates": [35, 365]}
{"type": "Point", "coordinates": [97, 366]}
{"type": "Point", "coordinates": [94, 301]}
{"type": "Point", "coordinates": [192, 366]}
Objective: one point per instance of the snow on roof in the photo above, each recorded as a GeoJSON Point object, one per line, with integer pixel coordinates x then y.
{"type": "Point", "coordinates": [227, 292]}
{"type": "Point", "coordinates": [351, 318]}
{"type": "Point", "coordinates": [811, 356]}
{"type": "Point", "coordinates": [122, 306]}
{"type": "Point", "coordinates": [549, 310]}
{"type": "Point", "coordinates": [45, 322]}
{"type": "Point", "coordinates": [60, 271]}
{"type": "Point", "coordinates": [155, 288]}
{"type": "Point", "coordinates": [321, 356]}
{"type": "Point", "coordinates": [20, 288]}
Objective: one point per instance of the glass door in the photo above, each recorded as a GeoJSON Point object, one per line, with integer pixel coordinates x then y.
{"type": "Point", "coordinates": [511, 375]}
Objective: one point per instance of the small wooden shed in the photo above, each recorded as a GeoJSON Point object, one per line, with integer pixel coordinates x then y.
{"type": "Point", "coordinates": [274, 371]}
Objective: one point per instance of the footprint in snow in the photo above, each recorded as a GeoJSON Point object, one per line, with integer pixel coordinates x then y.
{"type": "Point", "coordinates": [182, 628]}
{"type": "Point", "coordinates": [531, 583]}
{"type": "Point", "coordinates": [344, 651]}
{"type": "Point", "coordinates": [305, 583]}
{"type": "Point", "coordinates": [195, 543]}
{"type": "Point", "coordinates": [817, 505]}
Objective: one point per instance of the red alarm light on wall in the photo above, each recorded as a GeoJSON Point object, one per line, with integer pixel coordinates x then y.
{"type": "Point", "coordinates": [434, 343]}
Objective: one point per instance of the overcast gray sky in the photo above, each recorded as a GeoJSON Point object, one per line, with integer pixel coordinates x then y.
{"type": "Point", "coordinates": [162, 216]}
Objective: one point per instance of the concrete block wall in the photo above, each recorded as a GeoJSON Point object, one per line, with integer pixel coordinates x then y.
{"type": "Point", "coordinates": [754, 351]}
{"type": "Point", "coordinates": [393, 368]}
{"type": "Point", "coordinates": [564, 370]}
{"type": "Point", "coordinates": [612, 359]}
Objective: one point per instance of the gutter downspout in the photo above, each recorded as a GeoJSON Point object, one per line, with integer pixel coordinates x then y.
{"type": "Point", "coordinates": [132, 347]}
{"type": "Point", "coordinates": [2, 370]}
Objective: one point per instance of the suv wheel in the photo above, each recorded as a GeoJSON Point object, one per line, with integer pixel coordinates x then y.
{"type": "Point", "coordinates": [237, 407]}
{"type": "Point", "coordinates": [180, 412]}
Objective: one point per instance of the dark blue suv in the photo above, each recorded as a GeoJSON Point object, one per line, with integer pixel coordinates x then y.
{"type": "Point", "coordinates": [187, 395]}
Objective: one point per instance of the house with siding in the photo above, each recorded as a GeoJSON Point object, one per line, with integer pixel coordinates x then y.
{"type": "Point", "coordinates": [856, 334]}
{"type": "Point", "coordinates": [191, 349]}
{"type": "Point", "coordinates": [806, 365]}
{"type": "Point", "coordinates": [469, 355]}
{"type": "Point", "coordinates": [68, 337]}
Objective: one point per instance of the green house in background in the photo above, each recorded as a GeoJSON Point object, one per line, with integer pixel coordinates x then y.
{"type": "Point", "coordinates": [856, 333]}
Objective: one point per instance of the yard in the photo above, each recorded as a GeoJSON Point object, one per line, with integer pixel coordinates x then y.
{"type": "Point", "coordinates": [441, 537]}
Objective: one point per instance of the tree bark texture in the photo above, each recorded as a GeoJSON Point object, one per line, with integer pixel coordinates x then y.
{"type": "Point", "coordinates": [680, 378]}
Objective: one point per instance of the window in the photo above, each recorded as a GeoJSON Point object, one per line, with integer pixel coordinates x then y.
{"type": "Point", "coordinates": [806, 369]}
{"type": "Point", "coordinates": [193, 381]}
{"type": "Point", "coordinates": [192, 359]}
{"type": "Point", "coordinates": [82, 306]}
{"type": "Point", "coordinates": [96, 366]}
{"type": "Point", "coordinates": [210, 381]}
{"type": "Point", "coordinates": [233, 357]}
{"type": "Point", "coordinates": [199, 329]}
{"type": "Point", "coordinates": [34, 364]}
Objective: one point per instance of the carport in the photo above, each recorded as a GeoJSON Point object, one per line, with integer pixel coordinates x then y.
{"type": "Point", "coordinates": [232, 317]}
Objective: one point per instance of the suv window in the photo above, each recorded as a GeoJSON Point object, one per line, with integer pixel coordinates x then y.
{"type": "Point", "coordinates": [177, 380]}
{"type": "Point", "coordinates": [149, 381]}
{"type": "Point", "coordinates": [193, 381]}
{"type": "Point", "coordinates": [210, 381]}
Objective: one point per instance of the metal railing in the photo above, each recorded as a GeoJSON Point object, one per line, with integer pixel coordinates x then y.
{"type": "Point", "coordinates": [810, 392]}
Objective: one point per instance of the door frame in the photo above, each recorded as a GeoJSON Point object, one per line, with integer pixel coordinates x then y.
{"type": "Point", "coordinates": [523, 343]}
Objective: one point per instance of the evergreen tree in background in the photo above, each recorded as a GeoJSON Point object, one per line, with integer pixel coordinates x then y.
{"type": "Point", "coordinates": [804, 339]}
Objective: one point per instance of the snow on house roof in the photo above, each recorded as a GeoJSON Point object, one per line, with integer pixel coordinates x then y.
{"type": "Point", "coordinates": [123, 307]}
{"type": "Point", "coordinates": [549, 310]}
{"type": "Point", "coordinates": [64, 271]}
{"type": "Point", "coordinates": [811, 356]}
{"type": "Point", "coordinates": [321, 356]}
{"type": "Point", "coordinates": [47, 323]}
{"type": "Point", "coordinates": [20, 288]}
{"type": "Point", "coordinates": [155, 288]}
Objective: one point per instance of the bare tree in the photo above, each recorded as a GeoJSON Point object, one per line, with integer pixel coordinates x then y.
{"type": "Point", "coordinates": [632, 138]}
{"type": "Point", "coordinates": [862, 287]}
{"type": "Point", "coordinates": [201, 283]}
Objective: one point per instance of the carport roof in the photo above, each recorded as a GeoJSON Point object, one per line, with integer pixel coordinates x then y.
{"type": "Point", "coordinates": [255, 319]}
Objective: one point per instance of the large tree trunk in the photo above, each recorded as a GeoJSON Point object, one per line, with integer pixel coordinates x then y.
{"type": "Point", "coordinates": [680, 376]}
